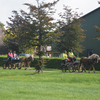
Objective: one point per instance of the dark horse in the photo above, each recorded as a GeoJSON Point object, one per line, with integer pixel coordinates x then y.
{"type": "Point", "coordinates": [26, 60]}
{"type": "Point", "coordinates": [91, 60]}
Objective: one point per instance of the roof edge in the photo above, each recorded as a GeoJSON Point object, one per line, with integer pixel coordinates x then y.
{"type": "Point", "coordinates": [90, 12]}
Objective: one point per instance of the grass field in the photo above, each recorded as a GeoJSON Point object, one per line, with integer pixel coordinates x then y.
{"type": "Point", "coordinates": [25, 85]}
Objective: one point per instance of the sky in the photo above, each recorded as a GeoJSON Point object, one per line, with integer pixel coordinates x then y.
{"type": "Point", "coordinates": [7, 6]}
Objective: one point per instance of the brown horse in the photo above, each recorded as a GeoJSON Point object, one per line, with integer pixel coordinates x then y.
{"type": "Point", "coordinates": [26, 60]}
{"type": "Point", "coordinates": [91, 60]}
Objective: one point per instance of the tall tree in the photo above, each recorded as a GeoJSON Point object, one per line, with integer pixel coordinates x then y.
{"type": "Point", "coordinates": [72, 33]}
{"type": "Point", "coordinates": [44, 26]}
{"type": "Point", "coordinates": [33, 28]}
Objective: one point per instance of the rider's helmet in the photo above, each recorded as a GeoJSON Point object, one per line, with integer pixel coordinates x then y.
{"type": "Point", "coordinates": [70, 50]}
{"type": "Point", "coordinates": [65, 51]}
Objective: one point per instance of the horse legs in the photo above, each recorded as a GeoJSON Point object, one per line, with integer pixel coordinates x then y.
{"type": "Point", "coordinates": [90, 68]}
{"type": "Point", "coordinates": [25, 65]}
{"type": "Point", "coordinates": [29, 66]}
{"type": "Point", "coordinates": [21, 64]}
{"type": "Point", "coordinates": [93, 69]}
{"type": "Point", "coordinates": [84, 68]}
{"type": "Point", "coordinates": [79, 68]}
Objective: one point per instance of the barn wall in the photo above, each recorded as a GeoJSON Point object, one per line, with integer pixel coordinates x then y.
{"type": "Point", "coordinates": [90, 20]}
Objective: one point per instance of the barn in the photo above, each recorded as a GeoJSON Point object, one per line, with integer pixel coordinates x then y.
{"type": "Point", "coordinates": [88, 24]}
{"type": "Point", "coordinates": [91, 45]}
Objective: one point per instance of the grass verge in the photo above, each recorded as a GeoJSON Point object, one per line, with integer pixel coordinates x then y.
{"type": "Point", "coordinates": [25, 85]}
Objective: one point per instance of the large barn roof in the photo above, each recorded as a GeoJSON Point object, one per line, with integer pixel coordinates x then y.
{"type": "Point", "coordinates": [91, 12]}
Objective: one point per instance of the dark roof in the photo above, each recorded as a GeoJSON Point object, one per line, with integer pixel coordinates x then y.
{"type": "Point", "coordinates": [90, 12]}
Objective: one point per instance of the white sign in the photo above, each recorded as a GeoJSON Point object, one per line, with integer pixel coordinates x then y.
{"type": "Point", "coordinates": [48, 48]}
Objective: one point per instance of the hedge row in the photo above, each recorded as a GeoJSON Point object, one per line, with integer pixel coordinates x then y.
{"type": "Point", "coordinates": [56, 64]}
{"type": "Point", "coordinates": [49, 63]}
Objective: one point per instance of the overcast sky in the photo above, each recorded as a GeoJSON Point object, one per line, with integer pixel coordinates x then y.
{"type": "Point", "coordinates": [7, 6]}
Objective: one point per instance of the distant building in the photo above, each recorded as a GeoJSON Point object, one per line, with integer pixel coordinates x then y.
{"type": "Point", "coordinates": [88, 24]}
{"type": "Point", "coordinates": [91, 20]}
{"type": "Point", "coordinates": [3, 49]}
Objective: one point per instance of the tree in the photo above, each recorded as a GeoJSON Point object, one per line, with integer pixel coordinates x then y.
{"type": "Point", "coordinates": [34, 28]}
{"type": "Point", "coordinates": [8, 41]}
{"type": "Point", "coordinates": [17, 30]}
{"type": "Point", "coordinates": [2, 25]}
{"type": "Point", "coordinates": [72, 33]}
{"type": "Point", "coordinates": [44, 25]}
{"type": "Point", "coordinates": [98, 29]}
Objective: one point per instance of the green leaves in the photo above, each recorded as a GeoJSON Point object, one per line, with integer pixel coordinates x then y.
{"type": "Point", "coordinates": [98, 30]}
{"type": "Point", "coordinates": [33, 28]}
{"type": "Point", "coordinates": [2, 25]}
{"type": "Point", "coordinates": [72, 34]}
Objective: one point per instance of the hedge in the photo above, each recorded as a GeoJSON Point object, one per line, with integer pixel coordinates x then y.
{"type": "Point", "coordinates": [55, 63]}
{"type": "Point", "coordinates": [52, 62]}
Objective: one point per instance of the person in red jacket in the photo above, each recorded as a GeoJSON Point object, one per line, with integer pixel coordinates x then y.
{"type": "Point", "coordinates": [10, 55]}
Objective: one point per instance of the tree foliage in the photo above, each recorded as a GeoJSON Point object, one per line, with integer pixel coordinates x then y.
{"type": "Point", "coordinates": [72, 33]}
{"type": "Point", "coordinates": [9, 42]}
{"type": "Point", "coordinates": [2, 25]}
{"type": "Point", "coordinates": [98, 30]}
{"type": "Point", "coordinates": [33, 28]}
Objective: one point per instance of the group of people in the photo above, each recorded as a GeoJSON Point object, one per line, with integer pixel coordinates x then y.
{"type": "Point", "coordinates": [12, 55]}
{"type": "Point", "coordinates": [70, 56]}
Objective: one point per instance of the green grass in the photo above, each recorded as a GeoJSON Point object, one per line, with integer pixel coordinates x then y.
{"type": "Point", "coordinates": [25, 85]}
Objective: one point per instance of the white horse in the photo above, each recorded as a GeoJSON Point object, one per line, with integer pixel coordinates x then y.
{"type": "Point", "coordinates": [94, 56]}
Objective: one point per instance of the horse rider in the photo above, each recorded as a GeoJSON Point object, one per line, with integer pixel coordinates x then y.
{"type": "Point", "coordinates": [10, 55]}
{"type": "Point", "coordinates": [71, 56]}
{"type": "Point", "coordinates": [64, 55]}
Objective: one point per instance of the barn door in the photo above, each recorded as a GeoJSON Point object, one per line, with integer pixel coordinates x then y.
{"type": "Point", "coordinates": [89, 52]}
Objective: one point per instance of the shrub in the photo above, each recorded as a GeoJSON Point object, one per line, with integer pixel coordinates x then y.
{"type": "Point", "coordinates": [52, 62]}
{"type": "Point", "coordinates": [55, 63]}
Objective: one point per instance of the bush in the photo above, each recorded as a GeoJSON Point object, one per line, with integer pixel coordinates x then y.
{"type": "Point", "coordinates": [49, 63]}
{"type": "Point", "coordinates": [55, 63]}
{"type": "Point", "coordinates": [52, 62]}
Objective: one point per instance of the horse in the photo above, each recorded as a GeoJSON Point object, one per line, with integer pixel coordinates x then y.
{"type": "Point", "coordinates": [86, 61]}
{"type": "Point", "coordinates": [26, 60]}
